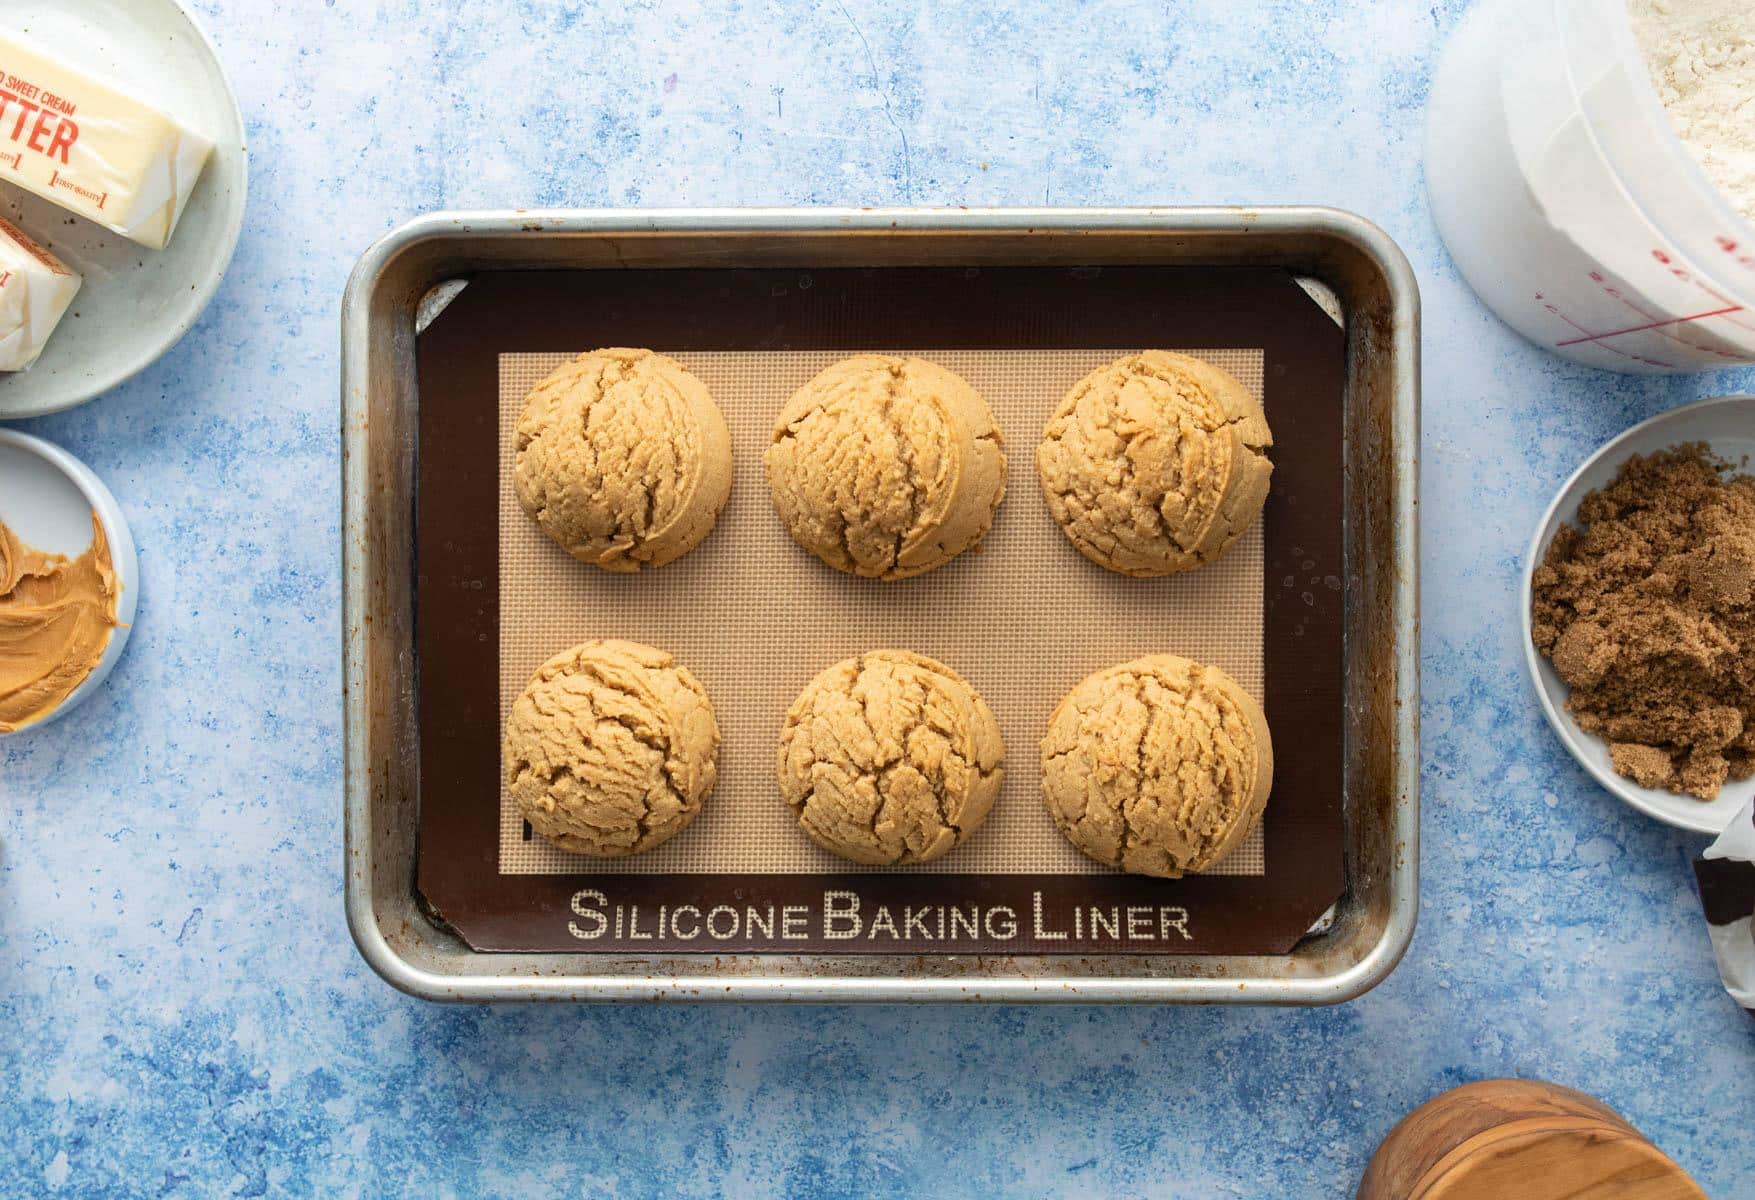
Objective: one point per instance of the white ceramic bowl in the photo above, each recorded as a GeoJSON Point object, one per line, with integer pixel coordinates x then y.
{"type": "Point", "coordinates": [136, 303]}
{"type": "Point", "coordinates": [47, 497]}
{"type": "Point", "coordinates": [1727, 424]}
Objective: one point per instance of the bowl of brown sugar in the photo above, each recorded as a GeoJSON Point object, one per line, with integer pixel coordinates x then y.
{"type": "Point", "coordinates": [1639, 614]}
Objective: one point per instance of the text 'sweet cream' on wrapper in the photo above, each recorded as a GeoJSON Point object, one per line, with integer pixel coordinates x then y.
{"type": "Point", "coordinates": [91, 148]}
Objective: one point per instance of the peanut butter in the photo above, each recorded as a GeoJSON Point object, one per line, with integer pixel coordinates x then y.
{"type": "Point", "coordinates": [55, 620]}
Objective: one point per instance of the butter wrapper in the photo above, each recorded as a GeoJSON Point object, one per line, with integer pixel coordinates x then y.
{"type": "Point", "coordinates": [92, 148]}
{"type": "Point", "coordinates": [1727, 888]}
{"type": "Point", "coordinates": [35, 290]}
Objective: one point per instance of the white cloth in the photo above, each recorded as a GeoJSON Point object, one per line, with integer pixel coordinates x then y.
{"type": "Point", "coordinates": [1727, 889]}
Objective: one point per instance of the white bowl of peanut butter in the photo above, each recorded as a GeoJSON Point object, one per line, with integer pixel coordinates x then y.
{"type": "Point", "coordinates": [69, 582]}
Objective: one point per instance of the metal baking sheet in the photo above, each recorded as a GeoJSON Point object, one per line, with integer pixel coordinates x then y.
{"type": "Point", "coordinates": [1024, 618]}
{"type": "Point", "coordinates": [1333, 254]}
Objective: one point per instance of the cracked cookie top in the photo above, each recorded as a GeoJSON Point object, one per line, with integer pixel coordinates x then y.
{"type": "Point", "coordinates": [1158, 766]}
{"type": "Point", "coordinates": [1155, 463]}
{"type": "Point", "coordinates": [610, 749]}
{"type": "Point", "coordinates": [623, 459]}
{"type": "Point", "coordinates": [890, 758]}
{"type": "Point", "coordinates": [886, 467]}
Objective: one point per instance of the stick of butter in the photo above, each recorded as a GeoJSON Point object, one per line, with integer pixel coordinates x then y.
{"type": "Point", "coordinates": [35, 290]}
{"type": "Point", "coordinates": [91, 148]}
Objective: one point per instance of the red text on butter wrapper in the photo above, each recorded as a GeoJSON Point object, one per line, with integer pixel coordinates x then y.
{"type": "Point", "coordinates": [39, 120]}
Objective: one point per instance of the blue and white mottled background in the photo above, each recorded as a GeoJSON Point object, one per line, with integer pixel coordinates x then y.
{"type": "Point", "coordinates": [181, 1011]}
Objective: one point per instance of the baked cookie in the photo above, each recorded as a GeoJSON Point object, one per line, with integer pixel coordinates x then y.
{"type": "Point", "coordinates": [623, 458]}
{"type": "Point", "coordinates": [1155, 463]}
{"type": "Point", "coordinates": [886, 467]}
{"type": "Point", "coordinates": [611, 749]}
{"type": "Point", "coordinates": [890, 758]}
{"type": "Point", "coordinates": [1158, 766]}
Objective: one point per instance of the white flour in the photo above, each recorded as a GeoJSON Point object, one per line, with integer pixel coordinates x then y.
{"type": "Point", "coordinates": [1702, 59]}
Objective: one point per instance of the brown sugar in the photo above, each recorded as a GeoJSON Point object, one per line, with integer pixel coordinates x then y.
{"type": "Point", "coordinates": [1645, 609]}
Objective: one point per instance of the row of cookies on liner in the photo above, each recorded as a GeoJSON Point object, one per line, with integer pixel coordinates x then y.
{"type": "Point", "coordinates": [1159, 766]}
{"type": "Point", "coordinates": [886, 468]}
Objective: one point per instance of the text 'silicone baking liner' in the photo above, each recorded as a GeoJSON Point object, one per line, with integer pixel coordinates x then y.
{"type": "Point", "coordinates": [1727, 889]}
{"type": "Point", "coordinates": [754, 617]}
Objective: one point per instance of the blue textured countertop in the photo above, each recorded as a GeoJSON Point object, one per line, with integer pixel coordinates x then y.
{"type": "Point", "coordinates": [181, 1011]}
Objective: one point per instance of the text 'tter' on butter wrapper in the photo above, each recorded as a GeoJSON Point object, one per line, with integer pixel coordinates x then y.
{"type": "Point", "coordinates": [92, 148]}
{"type": "Point", "coordinates": [35, 290]}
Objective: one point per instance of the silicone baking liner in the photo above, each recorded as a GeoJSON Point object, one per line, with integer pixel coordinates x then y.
{"type": "Point", "coordinates": [755, 617]}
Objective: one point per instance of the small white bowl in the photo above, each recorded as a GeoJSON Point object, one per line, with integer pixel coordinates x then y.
{"type": "Point", "coordinates": [47, 497]}
{"type": "Point", "coordinates": [1727, 424]}
{"type": "Point", "coordinates": [136, 303]}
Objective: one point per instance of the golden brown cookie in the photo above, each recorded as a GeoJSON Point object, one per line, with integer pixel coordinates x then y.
{"type": "Point", "coordinates": [890, 758]}
{"type": "Point", "coordinates": [623, 458]}
{"type": "Point", "coordinates": [886, 467]}
{"type": "Point", "coordinates": [611, 749]}
{"type": "Point", "coordinates": [1155, 463]}
{"type": "Point", "coordinates": [1159, 766]}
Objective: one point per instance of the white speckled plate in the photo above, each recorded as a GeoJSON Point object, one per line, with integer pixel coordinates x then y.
{"type": "Point", "coordinates": [136, 303]}
{"type": "Point", "coordinates": [1728, 425]}
{"type": "Point", "coordinates": [47, 497]}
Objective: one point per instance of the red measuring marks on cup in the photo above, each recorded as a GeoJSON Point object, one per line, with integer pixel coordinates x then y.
{"type": "Point", "coordinates": [1714, 305]}
{"type": "Point", "coordinates": [1597, 338]}
{"type": "Point", "coordinates": [1740, 254]}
